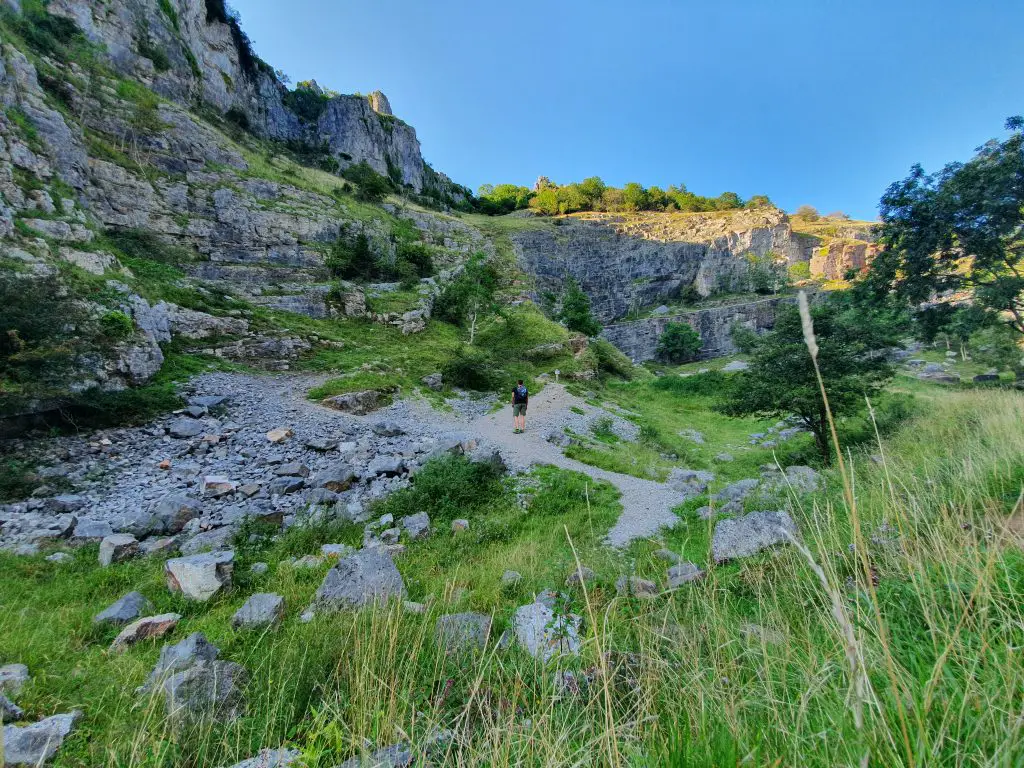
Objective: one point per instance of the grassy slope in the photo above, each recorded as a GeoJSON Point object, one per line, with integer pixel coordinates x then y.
{"type": "Point", "coordinates": [685, 687]}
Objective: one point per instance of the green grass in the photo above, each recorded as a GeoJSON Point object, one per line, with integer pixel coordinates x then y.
{"type": "Point", "coordinates": [684, 685]}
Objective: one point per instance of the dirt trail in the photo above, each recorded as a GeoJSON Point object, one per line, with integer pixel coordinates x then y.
{"type": "Point", "coordinates": [646, 504]}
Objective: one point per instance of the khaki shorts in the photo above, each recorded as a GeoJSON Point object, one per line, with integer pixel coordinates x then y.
{"type": "Point", "coordinates": [518, 409]}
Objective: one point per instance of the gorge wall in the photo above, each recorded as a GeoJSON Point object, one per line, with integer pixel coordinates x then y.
{"type": "Point", "coordinates": [192, 53]}
{"type": "Point", "coordinates": [628, 262]}
{"type": "Point", "coordinates": [638, 339]}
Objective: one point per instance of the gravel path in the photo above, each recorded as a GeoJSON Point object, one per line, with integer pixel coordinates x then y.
{"type": "Point", "coordinates": [646, 505]}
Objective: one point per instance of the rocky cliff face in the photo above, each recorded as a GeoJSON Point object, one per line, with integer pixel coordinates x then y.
{"type": "Point", "coordinates": [639, 338]}
{"type": "Point", "coordinates": [628, 262]}
{"type": "Point", "coordinates": [191, 56]}
{"type": "Point", "coordinates": [85, 155]}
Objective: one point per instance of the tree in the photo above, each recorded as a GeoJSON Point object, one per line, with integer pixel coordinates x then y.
{"type": "Point", "coordinates": [781, 379]}
{"type": "Point", "coordinates": [808, 213]}
{"type": "Point", "coordinates": [634, 197]}
{"type": "Point", "coordinates": [679, 343]}
{"type": "Point", "coordinates": [758, 200]}
{"type": "Point", "coordinates": [469, 297]}
{"type": "Point", "coordinates": [959, 230]}
{"type": "Point", "coordinates": [576, 312]}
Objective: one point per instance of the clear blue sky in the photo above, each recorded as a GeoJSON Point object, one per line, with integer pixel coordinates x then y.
{"type": "Point", "coordinates": [808, 101]}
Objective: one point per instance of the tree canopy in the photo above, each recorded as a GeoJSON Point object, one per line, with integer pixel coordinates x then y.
{"type": "Point", "coordinates": [679, 343]}
{"type": "Point", "coordinates": [592, 194]}
{"type": "Point", "coordinates": [575, 312]}
{"type": "Point", "coordinates": [781, 380]}
{"type": "Point", "coordinates": [958, 230]}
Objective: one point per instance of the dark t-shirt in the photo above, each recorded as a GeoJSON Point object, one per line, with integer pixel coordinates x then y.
{"type": "Point", "coordinates": [520, 396]}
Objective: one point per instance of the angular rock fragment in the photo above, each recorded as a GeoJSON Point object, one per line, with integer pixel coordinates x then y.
{"type": "Point", "coordinates": [200, 577]}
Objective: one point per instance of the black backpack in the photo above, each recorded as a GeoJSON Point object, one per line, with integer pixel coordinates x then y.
{"type": "Point", "coordinates": [519, 394]}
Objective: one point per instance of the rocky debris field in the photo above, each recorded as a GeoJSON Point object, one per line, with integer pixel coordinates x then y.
{"type": "Point", "coordinates": [253, 447]}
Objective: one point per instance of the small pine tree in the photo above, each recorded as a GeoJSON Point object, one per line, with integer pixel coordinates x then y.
{"type": "Point", "coordinates": [576, 312]}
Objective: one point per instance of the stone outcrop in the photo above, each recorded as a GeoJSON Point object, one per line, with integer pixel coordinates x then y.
{"type": "Point", "coordinates": [639, 338]}
{"type": "Point", "coordinates": [836, 259]}
{"type": "Point", "coordinates": [625, 262]}
{"type": "Point", "coordinates": [193, 55]}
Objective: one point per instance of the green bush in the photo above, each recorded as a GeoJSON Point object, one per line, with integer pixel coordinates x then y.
{"type": "Point", "coordinates": [610, 359]}
{"type": "Point", "coordinates": [116, 325]}
{"type": "Point", "coordinates": [744, 337]}
{"type": "Point", "coordinates": [679, 343]}
{"type": "Point", "coordinates": [161, 61]}
{"type": "Point", "coordinates": [472, 368]}
{"type": "Point", "coordinates": [53, 36]}
{"type": "Point", "coordinates": [575, 312]}
{"type": "Point", "coordinates": [372, 187]}
{"type": "Point", "coordinates": [446, 488]}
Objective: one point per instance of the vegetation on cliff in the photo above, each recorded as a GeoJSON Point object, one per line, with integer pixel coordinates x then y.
{"type": "Point", "coordinates": [592, 194]}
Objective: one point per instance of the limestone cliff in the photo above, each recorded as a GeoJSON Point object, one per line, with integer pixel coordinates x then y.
{"type": "Point", "coordinates": [192, 53]}
{"type": "Point", "coordinates": [627, 262]}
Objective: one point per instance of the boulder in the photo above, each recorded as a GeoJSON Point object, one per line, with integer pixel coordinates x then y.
{"type": "Point", "coordinates": [280, 486]}
{"type": "Point", "coordinates": [737, 491]}
{"type": "Point", "coordinates": [128, 608]}
{"type": "Point", "coordinates": [460, 525]}
{"type": "Point", "coordinates": [580, 576]}
{"type": "Point", "coordinates": [417, 526]}
{"type": "Point", "coordinates": [724, 457]}
{"type": "Point", "coordinates": [139, 523]}
{"type": "Point", "coordinates": [218, 485]}
{"type": "Point", "coordinates": [33, 745]}
{"type": "Point", "coordinates": [208, 541]}
{"type": "Point", "coordinates": [389, 466]}
{"type": "Point", "coordinates": [174, 511]}
{"type": "Point", "coordinates": [194, 649]}
{"type": "Point", "coordinates": [394, 756]}
{"type": "Point", "coordinates": [433, 381]}
{"type": "Point", "coordinates": [9, 711]}
{"type": "Point", "coordinates": [683, 573]}
{"type": "Point", "coordinates": [748, 535]}
{"type": "Point", "coordinates": [689, 482]}
{"type": "Point", "coordinates": [59, 557]}
{"type": "Point", "coordinates": [463, 631]}
{"type": "Point", "coordinates": [338, 478]}
{"type": "Point", "coordinates": [261, 610]}
{"type": "Point", "coordinates": [271, 758]}
{"type": "Point", "coordinates": [359, 579]}
{"type": "Point", "coordinates": [13, 678]}
{"type": "Point", "coordinates": [147, 628]}
{"type": "Point", "coordinates": [511, 578]}
{"type": "Point", "coordinates": [118, 548]}
{"type": "Point", "coordinates": [279, 435]}
{"type": "Point", "coordinates": [388, 429]}
{"type": "Point", "coordinates": [92, 530]}
{"type": "Point", "coordinates": [984, 378]}
{"type": "Point", "coordinates": [200, 577]}
{"type": "Point", "coordinates": [636, 587]}
{"type": "Point", "coordinates": [292, 469]}
{"type": "Point", "coordinates": [186, 427]}
{"type": "Point", "coordinates": [356, 403]}
{"type": "Point", "coordinates": [335, 550]}
{"type": "Point", "coordinates": [206, 691]}
{"type": "Point", "coordinates": [545, 635]}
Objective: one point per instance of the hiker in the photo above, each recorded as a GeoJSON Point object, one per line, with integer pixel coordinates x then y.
{"type": "Point", "coordinates": [520, 397]}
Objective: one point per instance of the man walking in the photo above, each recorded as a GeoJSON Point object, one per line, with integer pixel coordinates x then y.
{"type": "Point", "coordinates": [520, 397]}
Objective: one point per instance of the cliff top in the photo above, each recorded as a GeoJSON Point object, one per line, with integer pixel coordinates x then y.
{"type": "Point", "coordinates": [693, 227]}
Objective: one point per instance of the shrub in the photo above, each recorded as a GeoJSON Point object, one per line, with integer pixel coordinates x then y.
{"type": "Point", "coordinates": [472, 368]}
{"type": "Point", "coordinates": [744, 337]}
{"type": "Point", "coordinates": [679, 343]}
{"type": "Point", "coordinates": [610, 359]}
{"type": "Point", "coordinates": [446, 488]}
{"type": "Point", "coordinates": [575, 312]}
{"type": "Point", "coordinates": [116, 325]}
{"type": "Point", "coordinates": [800, 271]}
{"type": "Point", "coordinates": [161, 61]}
{"type": "Point", "coordinates": [143, 244]}
{"type": "Point", "coordinates": [372, 187]}
{"type": "Point", "coordinates": [47, 35]}
{"type": "Point", "coordinates": [352, 261]}
{"type": "Point", "coordinates": [239, 118]}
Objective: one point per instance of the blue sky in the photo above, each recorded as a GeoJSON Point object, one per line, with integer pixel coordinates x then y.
{"type": "Point", "coordinates": [810, 101]}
